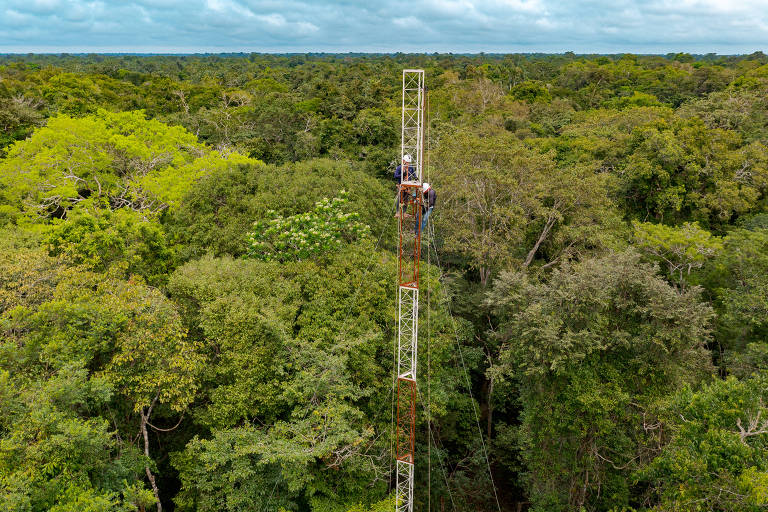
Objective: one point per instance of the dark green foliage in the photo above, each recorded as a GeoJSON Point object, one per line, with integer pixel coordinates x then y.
{"type": "Point", "coordinates": [220, 210]}
{"type": "Point", "coordinates": [602, 238]}
{"type": "Point", "coordinates": [591, 350]}
{"type": "Point", "coordinates": [531, 91]}
{"type": "Point", "coordinates": [285, 355]}
{"type": "Point", "coordinates": [108, 238]}
{"type": "Point", "coordinates": [715, 451]}
{"type": "Point", "coordinates": [737, 278]}
{"type": "Point", "coordinates": [684, 170]}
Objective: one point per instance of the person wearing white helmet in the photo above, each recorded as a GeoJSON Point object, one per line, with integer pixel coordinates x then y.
{"type": "Point", "coordinates": [409, 175]}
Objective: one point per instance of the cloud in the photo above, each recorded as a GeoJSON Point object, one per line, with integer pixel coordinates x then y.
{"type": "Point", "coordinates": [601, 26]}
{"type": "Point", "coordinates": [408, 22]}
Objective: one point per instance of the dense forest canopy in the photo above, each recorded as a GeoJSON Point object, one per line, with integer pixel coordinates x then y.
{"type": "Point", "coordinates": [198, 265]}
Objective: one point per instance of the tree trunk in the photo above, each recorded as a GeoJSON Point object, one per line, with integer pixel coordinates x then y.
{"type": "Point", "coordinates": [485, 273]}
{"type": "Point", "coordinates": [544, 232]}
{"type": "Point", "coordinates": [150, 476]}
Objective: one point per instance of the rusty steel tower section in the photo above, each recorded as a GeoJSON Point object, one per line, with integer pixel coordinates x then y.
{"type": "Point", "coordinates": [409, 251]}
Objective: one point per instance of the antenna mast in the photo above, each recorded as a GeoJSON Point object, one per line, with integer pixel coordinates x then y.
{"type": "Point", "coordinates": [409, 251]}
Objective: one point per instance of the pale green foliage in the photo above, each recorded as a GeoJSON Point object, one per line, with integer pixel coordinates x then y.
{"type": "Point", "coordinates": [17, 117]}
{"type": "Point", "coordinates": [106, 160]}
{"type": "Point", "coordinates": [486, 197]}
{"type": "Point", "coordinates": [76, 499]}
{"type": "Point", "coordinates": [496, 193]}
{"type": "Point", "coordinates": [138, 496]}
{"type": "Point", "coordinates": [384, 505]}
{"type": "Point", "coordinates": [602, 136]}
{"type": "Point", "coordinates": [637, 99]}
{"type": "Point", "coordinates": [680, 249]}
{"type": "Point", "coordinates": [153, 357]}
{"type": "Point", "coordinates": [322, 230]}
{"type": "Point", "coordinates": [27, 277]}
{"type": "Point", "coordinates": [741, 110]}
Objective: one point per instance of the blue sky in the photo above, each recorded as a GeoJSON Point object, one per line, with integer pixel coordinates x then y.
{"type": "Point", "coordinates": [583, 26]}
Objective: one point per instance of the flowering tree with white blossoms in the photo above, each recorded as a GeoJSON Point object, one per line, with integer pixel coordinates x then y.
{"type": "Point", "coordinates": [305, 235]}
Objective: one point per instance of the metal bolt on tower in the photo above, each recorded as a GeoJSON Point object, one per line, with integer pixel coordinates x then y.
{"type": "Point", "coordinates": [409, 251]}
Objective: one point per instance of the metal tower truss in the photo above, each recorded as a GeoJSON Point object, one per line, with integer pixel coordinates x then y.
{"type": "Point", "coordinates": [407, 332]}
{"type": "Point", "coordinates": [404, 490]}
{"type": "Point", "coordinates": [411, 134]}
{"type": "Point", "coordinates": [409, 252]}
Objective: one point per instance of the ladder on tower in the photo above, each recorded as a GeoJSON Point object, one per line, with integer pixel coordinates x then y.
{"type": "Point", "coordinates": [409, 252]}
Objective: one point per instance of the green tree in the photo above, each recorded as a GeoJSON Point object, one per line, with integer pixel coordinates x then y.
{"type": "Point", "coordinates": [105, 238]}
{"type": "Point", "coordinates": [531, 91]}
{"type": "Point", "coordinates": [297, 391]}
{"type": "Point", "coordinates": [18, 117]}
{"type": "Point", "coordinates": [283, 355]}
{"type": "Point", "coordinates": [679, 249]}
{"type": "Point", "coordinates": [684, 171]}
{"type": "Point", "coordinates": [219, 211]}
{"type": "Point", "coordinates": [502, 203]}
{"type": "Point", "coordinates": [590, 351]}
{"type": "Point", "coordinates": [107, 161]}
{"type": "Point", "coordinates": [153, 362]}
{"type": "Point", "coordinates": [79, 344]}
{"type": "Point", "coordinates": [715, 457]}
{"type": "Point", "coordinates": [304, 235]}
{"type": "Point", "coordinates": [736, 278]}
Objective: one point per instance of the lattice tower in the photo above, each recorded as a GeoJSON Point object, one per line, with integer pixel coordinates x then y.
{"type": "Point", "coordinates": [409, 233]}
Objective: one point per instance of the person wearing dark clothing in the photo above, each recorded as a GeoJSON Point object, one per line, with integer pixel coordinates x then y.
{"type": "Point", "coordinates": [399, 171]}
{"type": "Point", "coordinates": [410, 175]}
{"type": "Point", "coordinates": [428, 204]}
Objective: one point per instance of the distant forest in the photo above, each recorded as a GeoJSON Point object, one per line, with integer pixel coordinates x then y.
{"type": "Point", "coordinates": [198, 283]}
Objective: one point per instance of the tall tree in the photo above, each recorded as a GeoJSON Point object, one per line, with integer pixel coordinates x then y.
{"type": "Point", "coordinates": [591, 350]}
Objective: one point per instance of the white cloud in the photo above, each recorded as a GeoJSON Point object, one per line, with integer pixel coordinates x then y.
{"type": "Point", "coordinates": [229, 8]}
{"type": "Point", "coordinates": [305, 27]}
{"type": "Point", "coordinates": [408, 22]}
{"type": "Point", "coordinates": [641, 26]}
{"type": "Point", "coordinates": [274, 20]}
{"type": "Point", "coordinates": [546, 23]}
{"type": "Point", "coordinates": [36, 6]}
{"type": "Point", "coordinates": [15, 17]}
{"type": "Point", "coordinates": [451, 7]}
{"type": "Point", "coordinates": [533, 6]}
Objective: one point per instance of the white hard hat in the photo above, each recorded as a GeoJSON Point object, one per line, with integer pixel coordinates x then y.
{"type": "Point", "coordinates": [425, 186]}
{"type": "Point", "coordinates": [407, 158]}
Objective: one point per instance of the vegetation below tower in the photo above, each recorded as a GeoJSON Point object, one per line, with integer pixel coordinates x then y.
{"type": "Point", "coordinates": [197, 283]}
